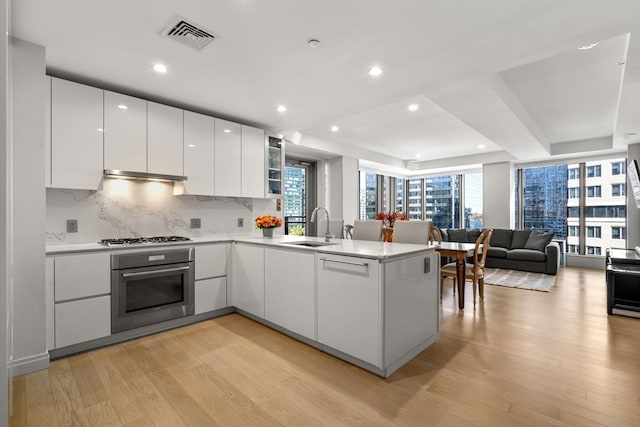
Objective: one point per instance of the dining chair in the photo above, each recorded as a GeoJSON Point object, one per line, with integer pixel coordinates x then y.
{"type": "Point", "coordinates": [348, 231]}
{"type": "Point", "coordinates": [473, 272]}
{"type": "Point", "coordinates": [370, 229]}
{"type": "Point", "coordinates": [411, 232]}
{"type": "Point", "coordinates": [336, 226]}
{"type": "Point", "coordinates": [435, 235]}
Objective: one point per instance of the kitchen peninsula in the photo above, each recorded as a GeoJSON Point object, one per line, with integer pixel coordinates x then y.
{"type": "Point", "coordinates": [373, 304]}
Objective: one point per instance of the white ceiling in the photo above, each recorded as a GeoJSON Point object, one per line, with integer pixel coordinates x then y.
{"type": "Point", "coordinates": [502, 74]}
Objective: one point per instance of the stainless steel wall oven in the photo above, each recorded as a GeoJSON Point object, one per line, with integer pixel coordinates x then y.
{"type": "Point", "coordinates": [151, 287]}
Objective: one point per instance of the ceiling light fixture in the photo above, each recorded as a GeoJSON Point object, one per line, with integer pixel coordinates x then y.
{"type": "Point", "coordinates": [227, 131]}
{"type": "Point", "coordinates": [313, 43]}
{"type": "Point", "coordinates": [588, 46]}
{"type": "Point", "coordinates": [413, 107]}
{"type": "Point", "coordinates": [281, 108]}
{"type": "Point", "coordinates": [481, 146]}
{"type": "Point", "coordinates": [418, 155]}
{"type": "Point", "coordinates": [122, 107]}
{"type": "Point", "coordinates": [335, 128]}
{"type": "Point", "coordinates": [191, 145]}
{"type": "Point", "coordinates": [159, 68]}
{"type": "Point", "coordinates": [375, 71]}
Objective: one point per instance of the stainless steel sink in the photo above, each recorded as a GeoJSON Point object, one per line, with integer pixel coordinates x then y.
{"type": "Point", "coordinates": [310, 243]}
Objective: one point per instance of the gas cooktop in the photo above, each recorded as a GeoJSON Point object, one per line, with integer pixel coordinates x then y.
{"type": "Point", "coordinates": [143, 240]}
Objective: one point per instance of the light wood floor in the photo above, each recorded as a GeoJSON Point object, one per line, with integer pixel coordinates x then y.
{"type": "Point", "coordinates": [520, 358]}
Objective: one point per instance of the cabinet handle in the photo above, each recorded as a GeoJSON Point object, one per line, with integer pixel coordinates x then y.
{"type": "Point", "coordinates": [146, 273]}
{"type": "Point", "coordinates": [427, 265]}
{"type": "Point", "coordinates": [360, 264]}
{"type": "Point", "coordinates": [622, 271]}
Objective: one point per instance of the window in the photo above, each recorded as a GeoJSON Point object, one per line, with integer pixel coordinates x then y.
{"type": "Point", "coordinates": [618, 168]}
{"type": "Point", "coordinates": [574, 173]}
{"type": "Point", "coordinates": [442, 200]}
{"type": "Point", "coordinates": [619, 233]}
{"type": "Point", "coordinates": [368, 195]}
{"type": "Point", "coordinates": [618, 189]}
{"type": "Point", "coordinates": [400, 195]}
{"type": "Point", "coordinates": [414, 207]}
{"type": "Point", "coordinates": [573, 212]}
{"type": "Point", "coordinates": [594, 191]}
{"type": "Point", "coordinates": [574, 230]}
{"type": "Point", "coordinates": [544, 199]}
{"type": "Point", "coordinates": [605, 212]}
{"type": "Point", "coordinates": [473, 201]}
{"type": "Point", "coordinates": [574, 192]}
{"type": "Point", "coordinates": [594, 171]}
{"type": "Point", "coordinates": [594, 231]}
{"type": "Point", "coordinates": [573, 249]}
{"type": "Point", "coordinates": [593, 250]}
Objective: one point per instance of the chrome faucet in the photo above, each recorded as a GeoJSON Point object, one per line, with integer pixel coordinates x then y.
{"type": "Point", "coordinates": [328, 234]}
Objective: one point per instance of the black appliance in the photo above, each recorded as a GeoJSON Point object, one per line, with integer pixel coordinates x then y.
{"type": "Point", "coordinates": [143, 240]}
{"type": "Point", "coordinates": [623, 282]}
{"type": "Point", "coordinates": [150, 287]}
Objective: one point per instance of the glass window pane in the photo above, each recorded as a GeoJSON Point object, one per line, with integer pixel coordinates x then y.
{"type": "Point", "coordinates": [442, 200]}
{"type": "Point", "coordinates": [545, 199]}
{"type": "Point", "coordinates": [367, 195]}
{"type": "Point", "coordinates": [473, 201]}
{"type": "Point", "coordinates": [415, 198]}
{"type": "Point", "coordinates": [400, 195]}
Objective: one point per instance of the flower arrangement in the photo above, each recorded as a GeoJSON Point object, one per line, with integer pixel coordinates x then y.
{"type": "Point", "coordinates": [268, 221]}
{"type": "Point", "coordinates": [388, 219]}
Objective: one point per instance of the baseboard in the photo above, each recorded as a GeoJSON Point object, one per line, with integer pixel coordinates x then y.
{"type": "Point", "coordinates": [26, 365]}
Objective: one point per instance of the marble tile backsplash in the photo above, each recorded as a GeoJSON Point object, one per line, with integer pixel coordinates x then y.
{"type": "Point", "coordinates": [125, 208]}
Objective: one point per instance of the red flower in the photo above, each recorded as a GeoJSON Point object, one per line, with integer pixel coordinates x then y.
{"type": "Point", "coordinates": [268, 221]}
{"type": "Point", "coordinates": [390, 218]}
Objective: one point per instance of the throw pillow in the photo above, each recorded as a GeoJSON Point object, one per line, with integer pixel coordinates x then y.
{"type": "Point", "coordinates": [458, 235]}
{"type": "Point", "coordinates": [520, 238]}
{"type": "Point", "coordinates": [501, 238]}
{"type": "Point", "coordinates": [538, 240]}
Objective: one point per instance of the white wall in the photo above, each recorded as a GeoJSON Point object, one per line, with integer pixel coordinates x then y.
{"type": "Point", "coordinates": [633, 213]}
{"type": "Point", "coordinates": [497, 193]}
{"type": "Point", "coordinates": [29, 350]}
{"type": "Point", "coordinates": [5, 207]}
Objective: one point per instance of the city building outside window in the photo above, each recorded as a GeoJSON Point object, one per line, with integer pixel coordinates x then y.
{"type": "Point", "coordinates": [618, 190]}
{"type": "Point", "coordinates": [544, 193]}
{"type": "Point", "coordinates": [368, 195]}
{"type": "Point", "coordinates": [594, 231]}
{"type": "Point", "coordinates": [618, 168]}
{"type": "Point", "coordinates": [573, 249]}
{"type": "Point", "coordinates": [574, 173]}
{"type": "Point", "coordinates": [574, 193]}
{"type": "Point", "coordinates": [473, 218]}
{"type": "Point", "coordinates": [619, 233]}
{"type": "Point", "coordinates": [594, 171]}
{"type": "Point", "coordinates": [400, 205]}
{"type": "Point", "coordinates": [594, 250]}
{"type": "Point", "coordinates": [574, 230]}
{"type": "Point", "coordinates": [594, 191]}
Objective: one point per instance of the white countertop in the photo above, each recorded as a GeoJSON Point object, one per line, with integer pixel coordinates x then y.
{"type": "Point", "coordinates": [357, 248]}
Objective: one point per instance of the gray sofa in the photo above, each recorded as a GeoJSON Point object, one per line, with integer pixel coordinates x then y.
{"type": "Point", "coordinates": [526, 250]}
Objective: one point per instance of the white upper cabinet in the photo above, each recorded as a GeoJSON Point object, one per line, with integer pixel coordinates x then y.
{"type": "Point", "coordinates": [125, 138]}
{"type": "Point", "coordinates": [199, 138]}
{"type": "Point", "coordinates": [164, 139]}
{"type": "Point", "coordinates": [228, 159]}
{"type": "Point", "coordinates": [76, 135]}
{"type": "Point", "coordinates": [253, 163]}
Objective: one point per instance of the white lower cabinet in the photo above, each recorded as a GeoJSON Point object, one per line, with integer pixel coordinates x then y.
{"type": "Point", "coordinates": [349, 306]}
{"type": "Point", "coordinates": [82, 320]}
{"type": "Point", "coordinates": [248, 280]}
{"type": "Point", "coordinates": [210, 294]}
{"type": "Point", "coordinates": [290, 291]}
{"type": "Point", "coordinates": [81, 297]}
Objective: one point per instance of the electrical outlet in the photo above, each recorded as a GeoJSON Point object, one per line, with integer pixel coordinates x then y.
{"type": "Point", "coordinates": [72, 226]}
{"type": "Point", "coordinates": [195, 222]}
{"type": "Point", "coordinates": [240, 222]}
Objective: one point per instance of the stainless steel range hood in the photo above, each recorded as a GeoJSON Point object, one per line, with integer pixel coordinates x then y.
{"type": "Point", "coordinates": [143, 176]}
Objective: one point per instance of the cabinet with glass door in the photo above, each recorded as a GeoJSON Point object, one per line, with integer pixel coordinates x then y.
{"type": "Point", "coordinates": [275, 165]}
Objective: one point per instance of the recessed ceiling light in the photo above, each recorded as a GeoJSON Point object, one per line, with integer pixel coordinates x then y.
{"type": "Point", "coordinates": [335, 128]}
{"type": "Point", "coordinates": [413, 107]}
{"type": "Point", "coordinates": [588, 46]}
{"type": "Point", "coordinates": [159, 68]}
{"type": "Point", "coordinates": [375, 71]}
{"type": "Point", "coordinates": [481, 146]}
{"type": "Point", "coordinates": [100, 130]}
{"type": "Point", "coordinates": [191, 145]}
{"type": "Point", "coordinates": [122, 107]}
{"type": "Point", "coordinates": [281, 108]}
{"type": "Point", "coordinates": [313, 43]}
{"type": "Point", "coordinates": [418, 155]}
{"type": "Point", "coordinates": [227, 131]}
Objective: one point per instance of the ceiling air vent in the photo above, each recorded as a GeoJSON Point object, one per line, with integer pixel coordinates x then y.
{"type": "Point", "coordinates": [188, 33]}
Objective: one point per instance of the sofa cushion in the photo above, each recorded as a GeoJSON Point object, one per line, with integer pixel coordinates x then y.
{"type": "Point", "coordinates": [501, 238]}
{"type": "Point", "coordinates": [473, 235]}
{"type": "Point", "coordinates": [538, 240]}
{"type": "Point", "coordinates": [520, 238]}
{"type": "Point", "coordinates": [457, 235]}
{"type": "Point", "coordinates": [526, 255]}
{"type": "Point", "coordinates": [497, 252]}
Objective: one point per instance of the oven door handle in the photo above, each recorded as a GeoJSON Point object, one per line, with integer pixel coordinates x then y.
{"type": "Point", "coordinates": [146, 273]}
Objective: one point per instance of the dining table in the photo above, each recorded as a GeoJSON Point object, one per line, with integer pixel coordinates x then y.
{"type": "Point", "coordinates": [459, 251]}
